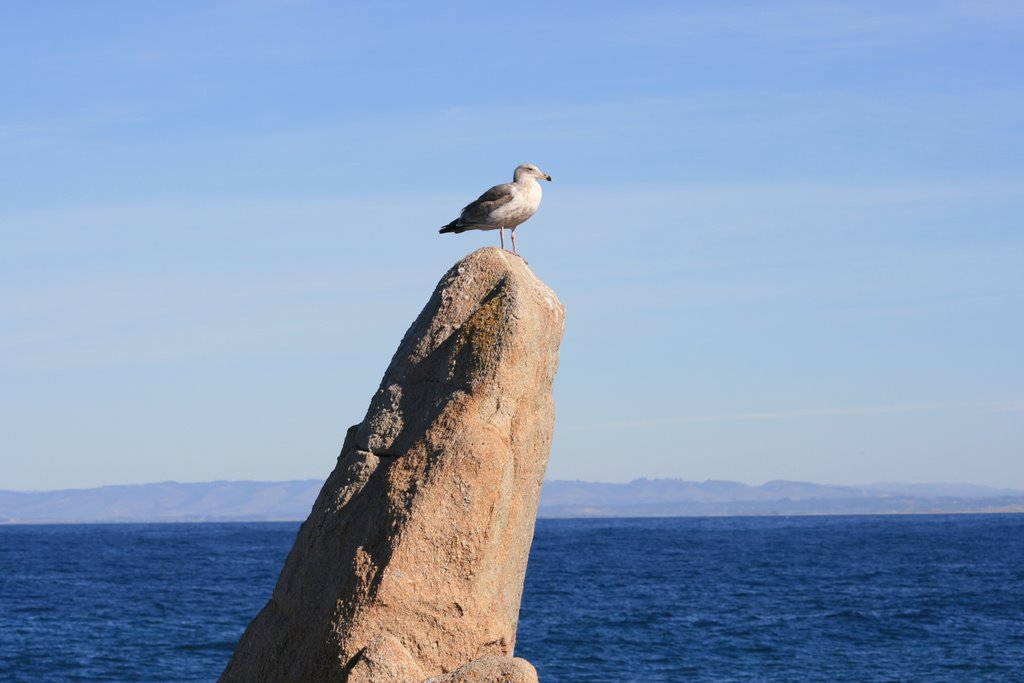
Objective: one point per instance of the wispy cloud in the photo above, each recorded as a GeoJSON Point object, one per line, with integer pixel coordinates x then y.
{"type": "Point", "coordinates": [829, 27]}
{"type": "Point", "coordinates": [850, 411]}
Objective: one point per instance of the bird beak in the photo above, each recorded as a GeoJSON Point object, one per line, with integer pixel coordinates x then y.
{"type": "Point", "coordinates": [548, 178]}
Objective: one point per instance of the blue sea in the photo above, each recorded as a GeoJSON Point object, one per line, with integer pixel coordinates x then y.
{"type": "Point", "coordinates": [900, 598]}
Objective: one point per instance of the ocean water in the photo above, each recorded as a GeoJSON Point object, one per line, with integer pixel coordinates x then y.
{"type": "Point", "coordinates": [901, 598]}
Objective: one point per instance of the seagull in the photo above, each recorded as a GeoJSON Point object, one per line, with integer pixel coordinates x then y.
{"type": "Point", "coordinates": [503, 206]}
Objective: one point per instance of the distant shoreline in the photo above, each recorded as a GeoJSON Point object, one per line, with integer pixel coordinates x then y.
{"type": "Point", "coordinates": [291, 501]}
{"type": "Point", "coordinates": [152, 522]}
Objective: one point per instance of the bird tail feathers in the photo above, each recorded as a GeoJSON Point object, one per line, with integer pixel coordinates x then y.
{"type": "Point", "coordinates": [452, 227]}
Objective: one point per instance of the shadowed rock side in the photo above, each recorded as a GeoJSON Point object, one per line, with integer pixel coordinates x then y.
{"type": "Point", "coordinates": [412, 560]}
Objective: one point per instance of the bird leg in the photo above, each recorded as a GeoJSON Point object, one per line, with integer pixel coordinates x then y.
{"type": "Point", "coordinates": [514, 246]}
{"type": "Point", "coordinates": [501, 236]}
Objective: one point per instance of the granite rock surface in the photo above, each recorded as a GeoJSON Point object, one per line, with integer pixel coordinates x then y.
{"type": "Point", "coordinates": [490, 670]}
{"type": "Point", "coordinates": [411, 563]}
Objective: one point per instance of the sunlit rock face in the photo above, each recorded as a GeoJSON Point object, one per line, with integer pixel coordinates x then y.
{"type": "Point", "coordinates": [411, 563]}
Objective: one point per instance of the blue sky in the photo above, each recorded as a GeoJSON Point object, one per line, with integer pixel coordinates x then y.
{"type": "Point", "coordinates": [789, 236]}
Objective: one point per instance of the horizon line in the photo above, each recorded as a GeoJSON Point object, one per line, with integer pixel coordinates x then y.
{"type": "Point", "coordinates": [320, 481]}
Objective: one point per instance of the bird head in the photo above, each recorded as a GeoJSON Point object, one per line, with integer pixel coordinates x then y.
{"type": "Point", "coordinates": [529, 171]}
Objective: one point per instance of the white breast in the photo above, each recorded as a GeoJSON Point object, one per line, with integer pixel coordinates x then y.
{"type": "Point", "coordinates": [523, 205]}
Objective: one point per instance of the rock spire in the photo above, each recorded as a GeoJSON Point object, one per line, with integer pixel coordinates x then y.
{"type": "Point", "coordinates": [411, 563]}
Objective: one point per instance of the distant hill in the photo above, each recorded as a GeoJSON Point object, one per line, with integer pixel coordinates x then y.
{"type": "Point", "coordinates": [224, 501]}
{"type": "Point", "coordinates": [217, 501]}
{"type": "Point", "coordinates": [679, 498]}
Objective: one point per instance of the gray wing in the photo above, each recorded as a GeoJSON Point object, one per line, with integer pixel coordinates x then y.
{"type": "Point", "coordinates": [479, 211]}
